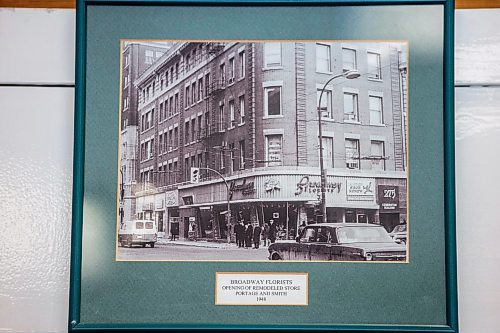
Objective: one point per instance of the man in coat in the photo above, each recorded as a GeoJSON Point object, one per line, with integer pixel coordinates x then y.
{"type": "Point", "coordinates": [272, 231]}
{"type": "Point", "coordinates": [248, 235]}
{"type": "Point", "coordinates": [256, 235]}
{"type": "Point", "coordinates": [239, 230]}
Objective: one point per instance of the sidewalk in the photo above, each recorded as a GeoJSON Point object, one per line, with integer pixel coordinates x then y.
{"type": "Point", "coordinates": [200, 243]}
{"type": "Point", "coordinates": [212, 245]}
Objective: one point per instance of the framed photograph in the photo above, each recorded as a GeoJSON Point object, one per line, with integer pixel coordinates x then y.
{"type": "Point", "coordinates": [279, 165]}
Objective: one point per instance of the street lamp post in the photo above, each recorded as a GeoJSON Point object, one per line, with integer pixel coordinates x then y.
{"type": "Point", "coordinates": [353, 74]}
{"type": "Point", "coordinates": [228, 213]}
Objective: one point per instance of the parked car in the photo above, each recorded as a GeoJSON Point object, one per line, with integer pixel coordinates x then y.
{"type": "Point", "coordinates": [137, 232]}
{"type": "Point", "coordinates": [340, 242]}
{"type": "Point", "coordinates": [398, 234]}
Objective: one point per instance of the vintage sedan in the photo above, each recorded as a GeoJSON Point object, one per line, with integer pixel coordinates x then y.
{"type": "Point", "coordinates": [399, 233]}
{"type": "Point", "coordinates": [340, 242]}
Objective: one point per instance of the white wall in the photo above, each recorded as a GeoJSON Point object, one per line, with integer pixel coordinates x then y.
{"type": "Point", "coordinates": [36, 136]}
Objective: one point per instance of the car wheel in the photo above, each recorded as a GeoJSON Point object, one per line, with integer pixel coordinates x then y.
{"type": "Point", "coordinates": [276, 256]}
{"type": "Point", "coordinates": [143, 244]}
{"type": "Point", "coordinates": [120, 243]}
{"type": "Point", "coordinates": [129, 243]}
{"type": "Point", "coordinates": [152, 244]}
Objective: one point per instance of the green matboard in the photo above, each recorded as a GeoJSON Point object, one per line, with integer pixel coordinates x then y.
{"type": "Point", "coordinates": [415, 296]}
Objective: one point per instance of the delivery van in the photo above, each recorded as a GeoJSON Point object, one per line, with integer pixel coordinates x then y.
{"type": "Point", "coordinates": [137, 232]}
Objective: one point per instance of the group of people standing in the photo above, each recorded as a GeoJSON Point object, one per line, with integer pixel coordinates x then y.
{"type": "Point", "coordinates": [246, 234]}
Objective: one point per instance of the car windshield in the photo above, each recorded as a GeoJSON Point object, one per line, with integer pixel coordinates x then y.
{"type": "Point", "coordinates": [149, 225]}
{"type": "Point", "coordinates": [400, 228]}
{"type": "Point", "coordinates": [139, 225]}
{"type": "Point", "coordinates": [362, 235]}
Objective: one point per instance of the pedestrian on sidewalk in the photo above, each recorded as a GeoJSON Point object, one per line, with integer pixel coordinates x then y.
{"type": "Point", "coordinates": [239, 230]}
{"type": "Point", "coordinates": [265, 234]}
{"type": "Point", "coordinates": [248, 235]}
{"type": "Point", "coordinates": [301, 228]}
{"type": "Point", "coordinates": [272, 231]}
{"type": "Point", "coordinates": [256, 235]}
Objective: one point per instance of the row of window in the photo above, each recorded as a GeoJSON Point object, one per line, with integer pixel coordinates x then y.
{"type": "Point", "coordinates": [273, 58]}
{"type": "Point", "coordinates": [168, 173]}
{"type": "Point", "coordinates": [352, 158]}
{"type": "Point", "coordinates": [190, 61]}
{"type": "Point", "coordinates": [273, 105]}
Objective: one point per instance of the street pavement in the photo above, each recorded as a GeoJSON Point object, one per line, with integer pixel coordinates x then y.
{"type": "Point", "coordinates": [189, 250]}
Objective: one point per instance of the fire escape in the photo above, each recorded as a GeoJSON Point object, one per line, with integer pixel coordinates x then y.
{"type": "Point", "coordinates": [213, 133]}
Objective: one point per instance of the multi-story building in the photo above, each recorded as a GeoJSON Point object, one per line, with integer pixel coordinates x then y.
{"type": "Point", "coordinates": [136, 57]}
{"type": "Point", "coordinates": [249, 111]}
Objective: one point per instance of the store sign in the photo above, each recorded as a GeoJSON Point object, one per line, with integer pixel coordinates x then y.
{"type": "Point", "coordinates": [305, 185]}
{"type": "Point", "coordinates": [158, 202]}
{"type": "Point", "coordinates": [171, 198]}
{"type": "Point", "coordinates": [244, 187]}
{"type": "Point", "coordinates": [388, 197]}
{"type": "Point", "coordinates": [274, 147]}
{"type": "Point", "coordinates": [272, 184]}
{"type": "Point", "coordinates": [360, 189]}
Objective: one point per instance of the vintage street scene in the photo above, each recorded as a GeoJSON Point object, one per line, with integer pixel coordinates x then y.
{"type": "Point", "coordinates": [288, 150]}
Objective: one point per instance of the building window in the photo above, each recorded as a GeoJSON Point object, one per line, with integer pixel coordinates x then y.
{"type": "Point", "coordinates": [221, 159]}
{"type": "Point", "coordinates": [207, 84]}
{"type": "Point", "coordinates": [222, 73]}
{"type": "Point", "coordinates": [272, 54]}
{"type": "Point", "coordinates": [193, 93]}
{"type": "Point", "coordinates": [127, 59]}
{"type": "Point", "coordinates": [326, 104]}
{"type": "Point", "coordinates": [187, 99]}
{"type": "Point", "coordinates": [200, 89]}
{"type": "Point", "coordinates": [220, 127]}
{"type": "Point", "coordinates": [207, 122]}
{"type": "Point", "coordinates": [125, 103]}
{"type": "Point", "coordinates": [160, 144]}
{"type": "Point", "coordinates": [242, 154]}
{"type": "Point", "coordinates": [323, 58]}
{"type": "Point", "coordinates": [177, 71]}
{"type": "Point", "coordinates": [348, 59]}
{"type": "Point", "coordinates": [200, 123]}
{"type": "Point", "coordinates": [158, 54]}
{"type": "Point", "coordinates": [351, 112]}
{"type": "Point", "coordinates": [170, 140]}
{"type": "Point", "coordinates": [231, 114]}
{"type": "Point", "coordinates": [187, 168]}
{"type": "Point", "coordinates": [272, 101]}
{"type": "Point", "coordinates": [242, 110]}
{"type": "Point", "coordinates": [375, 106]}
{"type": "Point", "coordinates": [160, 115]}
{"type": "Point", "coordinates": [149, 57]}
{"type": "Point", "coordinates": [232, 156]}
{"type": "Point", "coordinates": [328, 152]}
{"type": "Point", "coordinates": [232, 70]}
{"type": "Point", "coordinates": [176, 103]}
{"type": "Point", "coordinates": [188, 62]}
{"type": "Point", "coordinates": [170, 107]}
{"type": "Point", "coordinates": [125, 81]}
{"type": "Point", "coordinates": [186, 132]}
{"type": "Point", "coordinates": [274, 150]}
{"type": "Point", "coordinates": [374, 67]}
{"type": "Point", "coordinates": [352, 153]}
{"type": "Point", "coordinates": [378, 153]}
{"type": "Point", "coordinates": [176, 137]}
{"type": "Point", "coordinates": [242, 64]}
{"type": "Point", "coordinates": [193, 129]}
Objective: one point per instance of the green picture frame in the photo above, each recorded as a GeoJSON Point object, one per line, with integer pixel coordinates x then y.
{"type": "Point", "coordinates": [94, 303]}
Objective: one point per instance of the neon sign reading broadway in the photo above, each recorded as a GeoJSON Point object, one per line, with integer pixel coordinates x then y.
{"type": "Point", "coordinates": [305, 185]}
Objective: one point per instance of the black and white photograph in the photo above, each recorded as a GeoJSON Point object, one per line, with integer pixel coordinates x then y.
{"type": "Point", "coordinates": [263, 151]}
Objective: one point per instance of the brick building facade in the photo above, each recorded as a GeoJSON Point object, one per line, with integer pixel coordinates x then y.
{"type": "Point", "coordinates": [249, 111]}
